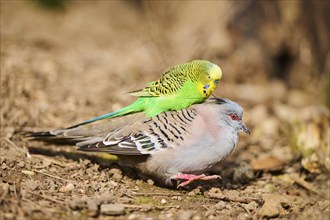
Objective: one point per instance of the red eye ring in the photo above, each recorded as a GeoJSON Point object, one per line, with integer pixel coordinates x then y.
{"type": "Point", "coordinates": [234, 117]}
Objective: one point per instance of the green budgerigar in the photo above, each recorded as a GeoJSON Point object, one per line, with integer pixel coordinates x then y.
{"type": "Point", "coordinates": [178, 87]}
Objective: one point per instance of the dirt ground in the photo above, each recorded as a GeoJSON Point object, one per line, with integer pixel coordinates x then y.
{"type": "Point", "coordinates": [67, 63]}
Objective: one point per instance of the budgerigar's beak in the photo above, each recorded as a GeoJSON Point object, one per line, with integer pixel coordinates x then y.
{"type": "Point", "coordinates": [245, 129]}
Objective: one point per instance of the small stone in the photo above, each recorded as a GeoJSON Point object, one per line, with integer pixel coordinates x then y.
{"type": "Point", "coordinates": [195, 192]}
{"type": "Point", "coordinates": [215, 190]}
{"type": "Point", "coordinates": [112, 209]}
{"type": "Point", "coordinates": [220, 205]}
{"type": "Point", "coordinates": [92, 206]}
{"type": "Point", "coordinates": [116, 174]}
{"type": "Point", "coordinates": [132, 217]}
{"type": "Point", "coordinates": [9, 216]}
{"type": "Point", "coordinates": [252, 206]}
{"type": "Point", "coordinates": [86, 162]}
{"type": "Point", "coordinates": [3, 166]}
{"type": "Point", "coordinates": [163, 201]}
{"type": "Point", "coordinates": [169, 215]}
{"type": "Point", "coordinates": [67, 188]}
{"type": "Point", "coordinates": [150, 182]}
{"type": "Point", "coordinates": [28, 172]}
{"type": "Point", "coordinates": [185, 215]}
{"type": "Point", "coordinates": [197, 217]}
{"type": "Point", "coordinates": [179, 198]}
{"type": "Point", "coordinates": [21, 164]}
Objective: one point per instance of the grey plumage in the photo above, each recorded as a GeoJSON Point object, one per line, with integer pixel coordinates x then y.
{"type": "Point", "coordinates": [188, 141]}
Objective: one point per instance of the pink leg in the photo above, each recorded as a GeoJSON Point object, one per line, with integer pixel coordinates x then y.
{"type": "Point", "coordinates": [189, 178]}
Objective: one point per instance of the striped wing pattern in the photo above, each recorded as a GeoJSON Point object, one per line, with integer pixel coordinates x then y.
{"type": "Point", "coordinates": [170, 82]}
{"type": "Point", "coordinates": [169, 129]}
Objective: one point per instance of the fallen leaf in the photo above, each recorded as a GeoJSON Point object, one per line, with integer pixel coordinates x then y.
{"type": "Point", "coordinates": [274, 205]}
{"type": "Point", "coordinates": [269, 163]}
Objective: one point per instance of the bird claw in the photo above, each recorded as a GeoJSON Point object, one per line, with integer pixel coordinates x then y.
{"type": "Point", "coordinates": [189, 178]}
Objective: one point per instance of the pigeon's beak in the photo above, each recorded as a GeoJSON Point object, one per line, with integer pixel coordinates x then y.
{"type": "Point", "coordinates": [245, 129]}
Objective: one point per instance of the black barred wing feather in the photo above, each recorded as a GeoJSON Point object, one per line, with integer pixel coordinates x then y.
{"type": "Point", "coordinates": [169, 83]}
{"type": "Point", "coordinates": [166, 130]}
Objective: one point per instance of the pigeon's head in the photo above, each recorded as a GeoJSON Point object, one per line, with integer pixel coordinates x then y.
{"type": "Point", "coordinates": [231, 113]}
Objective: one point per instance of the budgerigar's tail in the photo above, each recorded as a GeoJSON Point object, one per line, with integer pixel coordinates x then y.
{"type": "Point", "coordinates": [136, 106]}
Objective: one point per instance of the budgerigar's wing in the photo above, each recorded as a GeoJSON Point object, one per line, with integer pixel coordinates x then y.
{"type": "Point", "coordinates": [170, 82]}
{"type": "Point", "coordinates": [148, 136]}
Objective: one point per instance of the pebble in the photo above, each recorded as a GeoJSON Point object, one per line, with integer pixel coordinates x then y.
{"type": "Point", "coordinates": [196, 217]}
{"type": "Point", "coordinates": [67, 188]}
{"type": "Point", "coordinates": [112, 209]}
{"type": "Point", "coordinates": [28, 172]}
{"type": "Point", "coordinates": [220, 205]}
{"type": "Point", "coordinates": [163, 201]}
{"type": "Point", "coordinates": [116, 174]}
{"type": "Point", "coordinates": [195, 192]}
{"type": "Point", "coordinates": [3, 166]}
{"type": "Point", "coordinates": [132, 216]}
{"type": "Point", "coordinates": [179, 198]}
{"type": "Point", "coordinates": [185, 215]}
{"type": "Point", "coordinates": [92, 207]}
{"type": "Point", "coordinates": [150, 182]}
{"type": "Point", "coordinates": [21, 164]}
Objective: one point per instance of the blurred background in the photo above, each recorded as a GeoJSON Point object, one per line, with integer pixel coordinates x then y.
{"type": "Point", "coordinates": [65, 61]}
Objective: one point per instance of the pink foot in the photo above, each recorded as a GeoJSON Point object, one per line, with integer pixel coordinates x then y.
{"type": "Point", "coordinates": [189, 178]}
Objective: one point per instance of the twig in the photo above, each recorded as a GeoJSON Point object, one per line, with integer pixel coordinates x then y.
{"type": "Point", "coordinates": [141, 206]}
{"type": "Point", "coordinates": [305, 185]}
{"type": "Point", "coordinates": [50, 175]}
{"type": "Point", "coordinates": [48, 198]}
{"type": "Point", "coordinates": [242, 206]}
{"type": "Point", "coordinates": [234, 198]}
{"type": "Point", "coordinates": [167, 207]}
{"type": "Point", "coordinates": [128, 195]}
{"type": "Point", "coordinates": [23, 150]}
{"type": "Point", "coordinates": [13, 144]}
{"type": "Point", "coordinates": [205, 207]}
{"type": "Point", "coordinates": [132, 206]}
{"type": "Point", "coordinates": [157, 194]}
{"type": "Point", "coordinates": [15, 190]}
{"type": "Point", "coordinates": [61, 164]}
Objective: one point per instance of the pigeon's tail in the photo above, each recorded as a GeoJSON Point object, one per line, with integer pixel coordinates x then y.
{"type": "Point", "coordinates": [50, 137]}
{"type": "Point", "coordinates": [36, 135]}
{"type": "Point", "coordinates": [136, 106]}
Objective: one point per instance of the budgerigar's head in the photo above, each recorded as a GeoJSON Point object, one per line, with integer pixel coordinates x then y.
{"type": "Point", "coordinates": [208, 76]}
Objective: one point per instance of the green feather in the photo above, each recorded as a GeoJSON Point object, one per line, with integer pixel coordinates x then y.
{"type": "Point", "coordinates": [178, 88]}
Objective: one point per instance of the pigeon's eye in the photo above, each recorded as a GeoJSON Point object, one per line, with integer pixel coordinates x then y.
{"type": "Point", "coordinates": [234, 117]}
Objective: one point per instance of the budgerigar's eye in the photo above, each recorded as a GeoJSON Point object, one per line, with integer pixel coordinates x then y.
{"type": "Point", "coordinates": [216, 81]}
{"type": "Point", "coordinates": [234, 117]}
{"type": "Point", "coordinates": [209, 77]}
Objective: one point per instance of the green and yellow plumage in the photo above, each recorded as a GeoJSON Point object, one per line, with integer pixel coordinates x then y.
{"type": "Point", "coordinates": [178, 88]}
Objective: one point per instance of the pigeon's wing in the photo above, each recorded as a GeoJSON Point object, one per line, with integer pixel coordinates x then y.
{"type": "Point", "coordinates": [166, 130]}
{"type": "Point", "coordinates": [92, 132]}
{"type": "Point", "coordinates": [133, 134]}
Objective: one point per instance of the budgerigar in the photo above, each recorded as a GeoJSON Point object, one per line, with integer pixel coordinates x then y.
{"type": "Point", "coordinates": [178, 88]}
{"type": "Point", "coordinates": [173, 147]}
